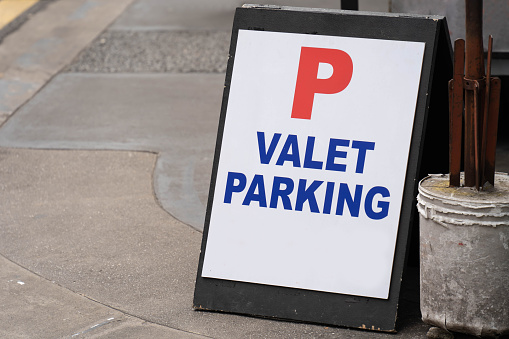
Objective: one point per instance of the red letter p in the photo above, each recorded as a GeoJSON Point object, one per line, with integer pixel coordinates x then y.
{"type": "Point", "coordinates": [307, 77]}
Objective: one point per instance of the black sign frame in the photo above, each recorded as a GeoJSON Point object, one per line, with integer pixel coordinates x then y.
{"type": "Point", "coordinates": [428, 154]}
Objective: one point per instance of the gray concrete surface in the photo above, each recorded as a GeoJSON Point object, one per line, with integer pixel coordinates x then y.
{"type": "Point", "coordinates": [156, 51]}
{"type": "Point", "coordinates": [47, 43]}
{"type": "Point", "coordinates": [92, 163]}
{"type": "Point", "coordinates": [44, 302]}
{"type": "Point", "coordinates": [22, 18]}
{"type": "Point", "coordinates": [33, 307]}
{"type": "Point", "coordinates": [175, 115]}
{"type": "Point", "coordinates": [189, 15]}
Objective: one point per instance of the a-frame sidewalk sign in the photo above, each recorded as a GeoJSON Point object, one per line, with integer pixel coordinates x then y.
{"type": "Point", "coordinates": [329, 119]}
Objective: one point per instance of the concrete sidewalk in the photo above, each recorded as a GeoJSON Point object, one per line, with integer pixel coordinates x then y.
{"type": "Point", "coordinates": [109, 113]}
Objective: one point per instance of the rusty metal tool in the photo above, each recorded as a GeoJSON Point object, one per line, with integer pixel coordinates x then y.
{"type": "Point", "coordinates": [474, 74]}
{"type": "Point", "coordinates": [456, 112]}
{"type": "Point", "coordinates": [478, 96]}
{"type": "Point", "coordinates": [486, 109]}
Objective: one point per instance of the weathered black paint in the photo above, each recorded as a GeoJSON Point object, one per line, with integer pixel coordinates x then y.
{"type": "Point", "coordinates": [431, 111]}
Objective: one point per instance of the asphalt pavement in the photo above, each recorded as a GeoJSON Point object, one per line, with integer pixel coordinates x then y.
{"type": "Point", "coordinates": [108, 114]}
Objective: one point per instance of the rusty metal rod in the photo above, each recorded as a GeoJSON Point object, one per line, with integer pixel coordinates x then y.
{"type": "Point", "coordinates": [474, 43]}
{"type": "Point", "coordinates": [481, 98]}
{"type": "Point", "coordinates": [456, 113]}
{"type": "Point", "coordinates": [474, 71]}
{"type": "Point", "coordinates": [486, 112]}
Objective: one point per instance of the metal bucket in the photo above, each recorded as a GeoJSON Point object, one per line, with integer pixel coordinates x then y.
{"type": "Point", "coordinates": [464, 252]}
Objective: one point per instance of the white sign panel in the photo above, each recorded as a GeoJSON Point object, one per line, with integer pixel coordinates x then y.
{"type": "Point", "coordinates": [313, 161]}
